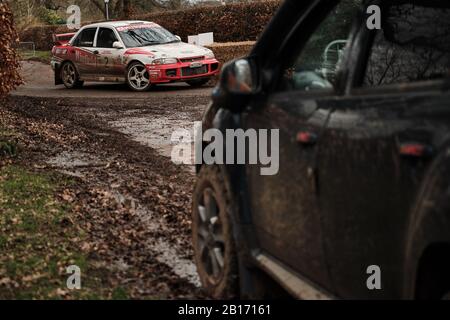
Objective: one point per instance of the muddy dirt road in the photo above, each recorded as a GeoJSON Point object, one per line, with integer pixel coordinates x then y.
{"type": "Point", "coordinates": [132, 201]}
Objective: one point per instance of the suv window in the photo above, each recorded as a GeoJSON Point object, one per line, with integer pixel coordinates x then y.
{"type": "Point", "coordinates": [106, 38]}
{"type": "Point", "coordinates": [413, 44]}
{"type": "Point", "coordinates": [85, 38]}
{"type": "Point", "coordinates": [319, 61]}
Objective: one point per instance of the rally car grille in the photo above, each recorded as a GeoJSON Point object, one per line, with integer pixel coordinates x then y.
{"type": "Point", "coordinates": [187, 71]}
{"type": "Point", "coordinates": [192, 59]}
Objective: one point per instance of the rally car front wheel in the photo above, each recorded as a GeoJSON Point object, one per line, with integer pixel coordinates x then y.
{"type": "Point", "coordinates": [138, 78]}
{"type": "Point", "coordinates": [70, 77]}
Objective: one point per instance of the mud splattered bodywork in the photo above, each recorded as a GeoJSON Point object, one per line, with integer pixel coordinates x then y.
{"type": "Point", "coordinates": [103, 52]}
{"type": "Point", "coordinates": [372, 188]}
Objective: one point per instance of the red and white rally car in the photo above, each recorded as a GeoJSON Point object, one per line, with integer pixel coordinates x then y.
{"type": "Point", "coordinates": [139, 53]}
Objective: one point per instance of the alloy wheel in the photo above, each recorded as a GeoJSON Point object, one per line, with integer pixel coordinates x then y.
{"type": "Point", "coordinates": [211, 243]}
{"type": "Point", "coordinates": [138, 77]}
{"type": "Point", "coordinates": [69, 74]}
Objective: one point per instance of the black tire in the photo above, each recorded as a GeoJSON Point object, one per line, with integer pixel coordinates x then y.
{"type": "Point", "coordinates": [69, 76]}
{"type": "Point", "coordinates": [428, 250]}
{"type": "Point", "coordinates": [212, 192]}
{"type": "Point", "coordinates": [138, 78]}
{"type": "Point", "coordinates": [198, 82]}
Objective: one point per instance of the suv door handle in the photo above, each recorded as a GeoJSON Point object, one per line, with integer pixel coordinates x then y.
{"type": "Point", "coordinates": [306, 137]}
{"type": "Point", "coordinates": [96, 52]}
{"type": "Point", "coordinates": [415, 150]}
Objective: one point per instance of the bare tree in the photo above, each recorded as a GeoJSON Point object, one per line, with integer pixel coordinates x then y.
{"type": "Point", "coordinates": [124, 8]}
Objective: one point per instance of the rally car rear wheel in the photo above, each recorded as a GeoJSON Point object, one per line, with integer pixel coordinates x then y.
{"type": "Point", "coordinates": [69, 76]}
{"type": "Point", "coordinates": [138, 78]}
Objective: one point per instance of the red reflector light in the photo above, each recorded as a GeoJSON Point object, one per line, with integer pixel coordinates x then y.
{"type": "Point", "coordinates": [414, 150]}
{"type": "Point", "coordinates": [306, 137]}
{"type": "Point", "coordinates": [303, 137]}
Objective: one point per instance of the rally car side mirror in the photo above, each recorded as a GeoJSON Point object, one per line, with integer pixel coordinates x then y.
{"type": "Point", "coordinates": [117, 45]}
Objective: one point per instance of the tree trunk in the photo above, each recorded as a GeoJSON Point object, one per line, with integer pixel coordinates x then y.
{"type": "Point", "coordinates": [100, 6]}
{"type": "Point", "coordinates": [118, 9]}
{"type": "Point", "coordinates": [126, 9]}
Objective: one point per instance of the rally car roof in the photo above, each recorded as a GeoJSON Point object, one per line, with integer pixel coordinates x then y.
{"type": "Point", "coordinates": [116, 24]}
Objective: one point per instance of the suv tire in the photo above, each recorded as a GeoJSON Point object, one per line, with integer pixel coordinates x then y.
{"type": "Point", "coordinates": [212, 232]}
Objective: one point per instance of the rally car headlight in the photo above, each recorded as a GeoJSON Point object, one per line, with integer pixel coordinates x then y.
{"type": "Point", "coordinates": [164, 61]}
{"type": "Point", "coordinates": [210, 55]}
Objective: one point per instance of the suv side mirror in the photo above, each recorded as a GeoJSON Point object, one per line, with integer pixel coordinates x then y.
{"type": "Point", "coordinates": [236, 86]}
{"type": "Point", "coordinates": [178, 37]}
{"type": "Point", "coordinates": [117, 45]}
{"type": "Point", "coordinates": [237, 77]}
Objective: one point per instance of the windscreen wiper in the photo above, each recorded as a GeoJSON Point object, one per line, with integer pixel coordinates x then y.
{"type": "Point", "coordinates": [148, 43]}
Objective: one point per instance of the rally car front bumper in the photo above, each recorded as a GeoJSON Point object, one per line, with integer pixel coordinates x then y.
{"type": "Point", "coordinates": [183, 71]}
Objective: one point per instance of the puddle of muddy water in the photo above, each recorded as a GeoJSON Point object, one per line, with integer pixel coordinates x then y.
{"type": "Point", "coordinates": [73, 159]}
{"type": "Point", "coordinates": [167, 253]}
{"type": "Point", "coordinates": [74, 163]}
{"type": "Point", "coordinates": [156, 131]}
{"type": "Point", "coordinates": [182, 267]}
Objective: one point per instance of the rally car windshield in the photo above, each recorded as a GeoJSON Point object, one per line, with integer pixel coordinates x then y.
{"type": "Point", "coordinates": [146, 36]}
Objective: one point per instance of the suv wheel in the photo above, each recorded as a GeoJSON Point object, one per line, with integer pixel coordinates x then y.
{"type": "Point", "coordinates": [70, 77]}
{"type": "Point", "coordinates": [214, 248]}
{"type": "Point", "coordinates": [138, 78]}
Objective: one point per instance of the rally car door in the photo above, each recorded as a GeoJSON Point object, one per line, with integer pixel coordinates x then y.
{"type": "Point", "coordinates": [109, 64]}
{"type": "Point", "coordinates": [83, 52]}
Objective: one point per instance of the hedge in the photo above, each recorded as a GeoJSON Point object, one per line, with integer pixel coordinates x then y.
{"type": "Point", "coordinates": [9, 65]}
{"type": "Point", "coordinates": [228, 51]}
{"type": "Point", "coordinates": [42, 36]}
{"type": "Point", "coordinates": [230, 23]}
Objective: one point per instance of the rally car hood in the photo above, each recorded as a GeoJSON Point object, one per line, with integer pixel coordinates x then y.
{"type": "Point", "coordinates": [176, 50]}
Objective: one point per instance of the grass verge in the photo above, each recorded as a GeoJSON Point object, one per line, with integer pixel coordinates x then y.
{"type": "Point", "coordinates": [8, 146]}
{"type": "Point", "coordinates": [39, 240]}
{"type": "Point", "coordinates": [41, 56]}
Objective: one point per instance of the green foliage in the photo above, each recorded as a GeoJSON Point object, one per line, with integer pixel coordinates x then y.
{"type": "Point", "coordinates": [52, 17]}
{"type": "Point", "coordinates": [120, 294]}
{"type": "Point", "coordinates": [7, 149]}
{"type": "Point", "coordinates": [8, 146]}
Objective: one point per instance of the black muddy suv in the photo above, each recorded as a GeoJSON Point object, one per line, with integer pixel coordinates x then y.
{"type": "Point", "coordinates": [360, 206]}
